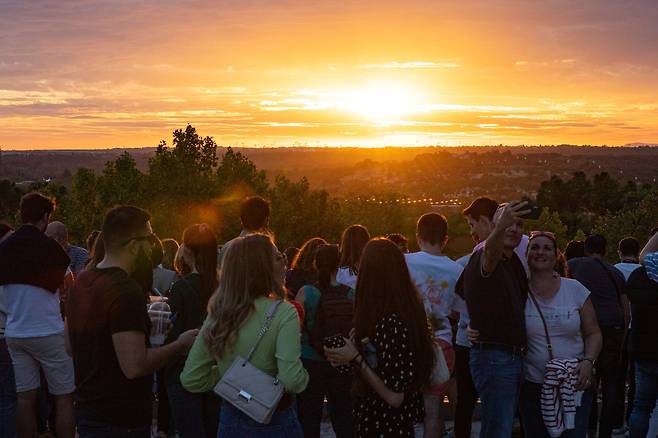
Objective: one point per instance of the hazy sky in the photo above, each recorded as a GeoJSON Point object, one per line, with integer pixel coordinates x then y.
{"type": "Point", "coordinates": [77, 74]}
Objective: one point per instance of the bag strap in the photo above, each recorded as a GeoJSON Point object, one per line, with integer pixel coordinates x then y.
{"type": "Point", "coordinates": [549, 344]}
{"type": "Point", "coordinates": [269, 317]}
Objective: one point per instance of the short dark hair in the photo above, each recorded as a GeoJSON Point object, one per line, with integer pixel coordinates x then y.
{"type": "Point", "coordinates": [122, 223]}
{"type": "Point", "coordinates": [482, 206]}
{"type": "Point", "coordinates": [629, 246]}
{"type": "Point", "coordinates": [432, 228]}
{"type": "Point", "coordinates": [574, 249]}
{"type": "Point", "coordinates": [595, 244]}
{"type": "Point", "coordinates": [254, 213]}
{"type": "Point", "coordinates": [34, 206]}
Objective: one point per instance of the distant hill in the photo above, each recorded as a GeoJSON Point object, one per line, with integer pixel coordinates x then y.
{"type": "Point", "coordinates": [438, 172]}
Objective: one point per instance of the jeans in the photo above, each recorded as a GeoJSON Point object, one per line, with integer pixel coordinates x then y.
{"type": "Point", "coordinates": [497, 376]}
{"type": "Point", "coordinates": [234, 424]}
{"type": "Point", "coordinates": [646, 393]}
{"type": "Point", "coordinates": [89, 427]}
{"type": "Point", "coordinates": [195, 415]}
{"type": "Point", "coordinates": [7, 393]}
{"type": "Point", "coordinates": [531, 418]}
{"type": "Point", "coordinates": [323, 381]}
{"type": "Point", "coordinates": [610, 371]}
{"type": "Point", "coordinates": [466, 394]}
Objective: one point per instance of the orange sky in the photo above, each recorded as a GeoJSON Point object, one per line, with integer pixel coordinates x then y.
{"type": "Point", "coordinates": [81, 74]}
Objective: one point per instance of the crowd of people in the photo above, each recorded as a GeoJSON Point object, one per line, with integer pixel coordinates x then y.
{"type": "Point", "coordinates": [259, 342]}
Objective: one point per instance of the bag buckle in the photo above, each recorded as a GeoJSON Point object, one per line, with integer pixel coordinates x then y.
{"type": "Point", "coordinates": [245, 395]}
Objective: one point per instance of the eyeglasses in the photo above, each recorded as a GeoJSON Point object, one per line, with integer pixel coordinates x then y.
{"type": "Point", "coordinates": [151, 238]}
{"type": "Point", "coordinates": [548, 234]}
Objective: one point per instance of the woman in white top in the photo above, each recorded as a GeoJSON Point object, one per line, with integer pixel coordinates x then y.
{"type": "Point", "coordinates": [573, 329]}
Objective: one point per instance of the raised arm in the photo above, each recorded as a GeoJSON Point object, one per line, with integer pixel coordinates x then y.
{"type": "Point", "coordinates": [651, 246]}
{"type": "Point", "coordinates": [494, 245]}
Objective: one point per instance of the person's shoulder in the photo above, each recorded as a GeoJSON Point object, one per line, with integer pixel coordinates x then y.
{"type": "Point", "coordinates": [78, 250]}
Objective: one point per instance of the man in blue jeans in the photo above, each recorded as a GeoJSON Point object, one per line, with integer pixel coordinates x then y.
{"type": "Point", "coordinates": [496, 287]}
{"type": "Point", "coordinates": [642, 290]}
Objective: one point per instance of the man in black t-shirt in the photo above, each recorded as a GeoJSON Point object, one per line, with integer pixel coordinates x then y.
{"type": "Point", "coordinates": [496, 287]}
{"type": "Point", "coordinates": [108, 331]}
{"type": "Point", "coordinates": [608, 295]}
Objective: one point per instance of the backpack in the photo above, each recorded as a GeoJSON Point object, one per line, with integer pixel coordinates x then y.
{"type": "Point", "coordinates": [334, 315]}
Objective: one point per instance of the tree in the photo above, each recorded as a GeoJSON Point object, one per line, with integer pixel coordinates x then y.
{"type": "Point", "coordinates": [181, 182]}
{"type": "Point", "coordinates": [236, 170]}
{"type": "Point", "coordinates": [10, 197]}
{"type": "Point", "coordinates": [551, 221]}
{"type": "Point", "coordinates": [299, 213]}
{"type": "Point", "coordinates": [121, 182]}
{"type": "Point", "coordinates": [86, 211]}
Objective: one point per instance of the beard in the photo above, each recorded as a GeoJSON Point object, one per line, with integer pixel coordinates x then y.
{"type": "Point", "coordinates": [143, 272]}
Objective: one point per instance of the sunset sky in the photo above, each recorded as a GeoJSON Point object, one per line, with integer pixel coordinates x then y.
{"type": "Point", "coordinates": [96, 74]}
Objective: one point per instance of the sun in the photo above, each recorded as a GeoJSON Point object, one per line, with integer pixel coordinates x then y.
{"type": "Point", "coordinates": [380, 101]}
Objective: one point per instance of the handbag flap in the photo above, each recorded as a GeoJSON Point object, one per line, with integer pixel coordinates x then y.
{"type": "Point", "coordinates": [250, 383]}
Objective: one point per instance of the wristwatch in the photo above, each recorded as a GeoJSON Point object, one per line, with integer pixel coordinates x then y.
{"type": "Point", "coordinates": [590, 360]}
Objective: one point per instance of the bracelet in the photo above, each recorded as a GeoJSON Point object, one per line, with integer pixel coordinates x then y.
{"type": "Point", "coordinates": [588, 360]}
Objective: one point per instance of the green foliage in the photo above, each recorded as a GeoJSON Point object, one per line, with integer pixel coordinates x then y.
{"type": "Point", "coordinates": [10, 197]}
{"type": "Point", "coordinates": [85, 211]}
{"type": "Point", "coordinates": [550, 221]}
{"type": "Point", "coordinates": [121, 182]}
{"type": "Point", "coordinates": [580, 235]}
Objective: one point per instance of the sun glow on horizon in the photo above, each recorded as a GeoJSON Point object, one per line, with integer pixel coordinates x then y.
{"type": "Point", "coordinates": [381, 101]}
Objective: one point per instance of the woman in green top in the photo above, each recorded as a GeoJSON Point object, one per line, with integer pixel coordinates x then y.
{"type": "Point", "coordinates": [195, 415]}
{"type": "Point", "coordinates": [251, 275]}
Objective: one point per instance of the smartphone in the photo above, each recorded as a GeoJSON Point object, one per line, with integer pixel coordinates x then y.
{"type": "Point", "coordinates": [335, 341]}
{"type": "Point", "coordinates": [534, 213]}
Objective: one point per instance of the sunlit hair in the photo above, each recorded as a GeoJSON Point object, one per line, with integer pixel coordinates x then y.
{"type": "Point", "coordinates": [169, 247]}
{"type": "Point", "coordinates": [200, 240]}
{"type": "Point", "coordinates": [305, 258]}
{"type": "Point", "coordinates": [384, 287]}
{"type": "Point", "coordinates": [179, 263]}
{"type": "Point", "coordinates": [354, 240]}
{"type": "Point", "coordinates": [97, 252]}
{"type": "Point", "coordinates": [247, 273]}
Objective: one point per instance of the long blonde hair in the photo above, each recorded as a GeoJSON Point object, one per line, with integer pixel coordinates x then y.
{"type": "Point", "coordinates": [247, 273]}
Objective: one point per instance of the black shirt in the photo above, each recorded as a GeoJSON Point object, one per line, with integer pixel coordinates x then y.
{"type": "Point", "coordinates": [605, 283]}
{"type": "Point", "coordinates": [643, 295]}
{"type": "Point", "coordinates": [188, 312]}
{"type": "Point", "coordinates": [496, 302]}
{"type": "Point", "coordinates": [103, 302]}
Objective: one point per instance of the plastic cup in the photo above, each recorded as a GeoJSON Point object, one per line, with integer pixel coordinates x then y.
{"type": "Point", "coordinates": [160, 313]}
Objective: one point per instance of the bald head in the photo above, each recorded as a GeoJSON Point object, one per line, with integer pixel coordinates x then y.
{"type": "Point", "coordinates": [57, 231]}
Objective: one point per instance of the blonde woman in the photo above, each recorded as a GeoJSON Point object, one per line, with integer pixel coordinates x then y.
{"type": "Point", "coordinates": [251, 277]}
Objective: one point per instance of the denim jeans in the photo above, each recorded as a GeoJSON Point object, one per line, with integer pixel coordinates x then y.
{"type": "Point", "coordinates": [497, 377]}
{"type": "Point", "coordinates": [531, 418]}
{"type": "Point", "coordinates": [234, 424]}
{"type": "Point", "coordinates": [195, 415]}
{"type": "Point", "coordinates": [7, 393]}
{"type": "Point", "coordinates": [91, 427]}
{"type": "Point", "coordinates": [323, 381]}
{"type": "Point", "coordinates": [646, 393]}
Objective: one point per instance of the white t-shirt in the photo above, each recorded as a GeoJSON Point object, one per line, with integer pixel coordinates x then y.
{"type": "Point", "coordinates": [347, 277]}
{"type": "Point", "coordinates": [32, 312]}
{"type": "Point", "coordinates": [461, 338]}
{"type": "Point", "coordinates": [562, 315]}
{"type": "Point", "coordinates": [435, 278]}
{"type": "Point", "coordinates": [627, 268]}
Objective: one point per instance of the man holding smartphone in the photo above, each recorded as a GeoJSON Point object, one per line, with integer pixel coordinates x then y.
{"type": "Point", "coordinates": [496, 287]}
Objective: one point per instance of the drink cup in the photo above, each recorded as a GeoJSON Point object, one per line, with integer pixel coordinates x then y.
{"type": "Point", "coordinates": [160, 314]}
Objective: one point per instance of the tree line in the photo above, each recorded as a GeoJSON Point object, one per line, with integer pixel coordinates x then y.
{"type": "Point", "coordinates": [193, 180]}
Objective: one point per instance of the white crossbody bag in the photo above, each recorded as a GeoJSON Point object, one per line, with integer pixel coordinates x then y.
{"type": "Point", "coordinates": [249, 389]}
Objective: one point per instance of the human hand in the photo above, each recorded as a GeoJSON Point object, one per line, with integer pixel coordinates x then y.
{"type": "Point", "coordinates": [585, 375]}
{"type": "Point", "coordinates": [510, 213]}
{"type": "Point", "coordinates": [473, 335]}
{"type": "Point", "coordinates": [341, 355]}
{"type": "Point", "coordinates": [186, 339]}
